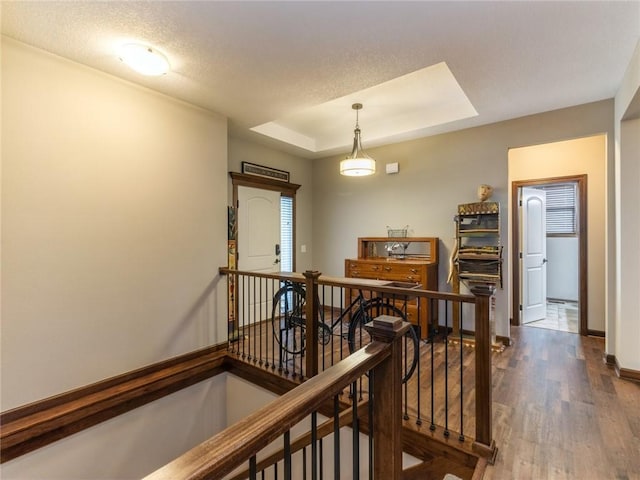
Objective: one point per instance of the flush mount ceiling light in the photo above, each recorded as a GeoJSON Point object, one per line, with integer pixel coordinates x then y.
{"type": "Point", "coordinates": [358, 163]}
{"type": "Point", "coordinates": [144, 59]}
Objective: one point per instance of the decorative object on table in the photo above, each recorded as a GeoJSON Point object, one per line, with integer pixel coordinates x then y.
{"type": "Point", "coordinates": [358, 163]}
{"type": "Point", "coordinates": [392, 247]}
{"type": "Point", "coordinates": [484, 192]}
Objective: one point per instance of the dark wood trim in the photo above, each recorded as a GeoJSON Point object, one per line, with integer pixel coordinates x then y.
{"type": "Point", "coordinates": [506, 341]}
{"type": "Point", "coordinates": [595, 333]}
{"type": "Point", "coordinates": [40, 423]}
{"type": "Point", "coordinates": [609, 360]}
{"type": "Point", "coordinates": [627, 373]}
{"type": "Point", "coordinates": [583, 292]}
{"type": "Point", "coordinates": [254, 181]}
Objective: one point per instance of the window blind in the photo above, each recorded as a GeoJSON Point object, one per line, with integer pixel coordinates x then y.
{"type": "Point", "coordinates": [561, 208]}
{"type": "Point", "coordinates": [286, 234]}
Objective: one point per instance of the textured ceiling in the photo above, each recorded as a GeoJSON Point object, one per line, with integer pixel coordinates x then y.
{"type": "Point", "coordinates": [260, 62]}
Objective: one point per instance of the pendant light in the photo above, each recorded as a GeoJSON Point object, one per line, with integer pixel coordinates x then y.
{"type": "Point", "coordinates": [358, 163]}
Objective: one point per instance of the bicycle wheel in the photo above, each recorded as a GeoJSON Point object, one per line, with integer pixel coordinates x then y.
{"type": "Point", "coordinates": [288, 318]}
{"type": "Point", "coordinates": [358, 336]}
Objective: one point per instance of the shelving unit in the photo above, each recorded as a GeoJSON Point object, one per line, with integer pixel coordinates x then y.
{"type": "Point", "coordinates": [478, 257]}
{"type": "Point", "coordinates": [479, 253]}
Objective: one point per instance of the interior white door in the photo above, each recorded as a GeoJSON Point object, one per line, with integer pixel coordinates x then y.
{"type": "Point", "coordinates": [533, 233]}
{"type": "Point", "coordinates": [258, 248]}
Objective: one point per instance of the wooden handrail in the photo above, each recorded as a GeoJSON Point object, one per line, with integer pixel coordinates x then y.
{"type": "Point", "coordinates": [324, 430]}
{"type": "Point", "coordinates": [356, 283]}
{"type": "Point", "coordinates": [223, 452]}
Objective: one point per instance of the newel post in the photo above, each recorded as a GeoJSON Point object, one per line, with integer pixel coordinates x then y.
{"type": "Point", "coordinates": [484, 417]}
{"type": "Point", "coordinates": [387, 399]}
{"type": "Point", "coordinates": [311, 328]}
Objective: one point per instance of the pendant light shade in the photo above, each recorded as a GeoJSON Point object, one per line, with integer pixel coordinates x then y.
{"type": "Point", "coordinates": [358, 163]}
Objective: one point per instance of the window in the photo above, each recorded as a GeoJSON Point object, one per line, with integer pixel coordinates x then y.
{"type": "Point", "coordinates": [286, 234]}
{"type": "Point", "coordinates": [561, 209]}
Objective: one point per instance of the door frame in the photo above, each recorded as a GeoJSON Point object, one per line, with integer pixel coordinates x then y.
{"type": "Point", "coordinates": [285, 188]}
{"type": "Point", "coordinates": [581, 181]}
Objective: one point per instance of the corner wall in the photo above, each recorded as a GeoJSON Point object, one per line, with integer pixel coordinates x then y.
{"type": "Point", "coordinates": [113, 225]}
{"type": "Point", "coordinates": [624, 324]}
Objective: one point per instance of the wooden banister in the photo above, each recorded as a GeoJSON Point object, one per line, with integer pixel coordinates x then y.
{"type": "Point", "coordinates": [223, 452]}
{"type": "Point", "coordinates": [484, 437]}
{"type": "Point", "coordinates": [304, 440]}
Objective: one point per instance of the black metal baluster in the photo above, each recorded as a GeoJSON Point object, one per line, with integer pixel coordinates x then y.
{"type": "Point", "coordinates": [432, 426]}
{"type": "Point", "coordinates": [269, 333]}
{"type": "Point", "coordinates": [250, 315]}
{"type": "Point", "coordinates": [356, 432]}
{"type": "Point", "coordinates": [314, 446]}
{"type": "Point", "coordinates": [253, 474]}
{"type": "Point", "coordinates": [371, 425]}
{"type": "Point", "coordinates": [247, 300]}
{"type": "Point", "coordinates": [304, 463]}
{"type": "Point", "coordinates": [461, 436]}
{"type": "Point", "coordinates": [446, 382]}
{"type": "Point", "coordinates": [262, 319]}
{"type": "Point", "coordinates": [342, 337]}
{"type": "Point", "coordinates": [287, 455]}
{"type": "Point", "coordinates": [321, 461]}
{"type": "Point", "coordinates": [336, 438]}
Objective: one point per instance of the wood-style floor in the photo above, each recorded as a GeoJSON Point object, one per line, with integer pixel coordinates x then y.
{"type": "Point", "coordinates": [560, 413]}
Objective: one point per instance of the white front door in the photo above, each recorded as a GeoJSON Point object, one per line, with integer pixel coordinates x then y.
{"type": "Point", "coordinates": [258, 230]}
{"type": "Point", "coordinates": [258, 247]}
{"type": "Point", "coordinates": [534, 254]}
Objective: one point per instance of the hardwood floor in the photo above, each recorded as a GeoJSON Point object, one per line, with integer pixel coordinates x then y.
{"type": "Point", "coordinates": [560, 412]}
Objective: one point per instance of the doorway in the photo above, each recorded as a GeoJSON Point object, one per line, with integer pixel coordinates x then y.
{"type": "Point", "coordinates": [550, 253]}
{"type": "Point", "coordinates": [265, 237]}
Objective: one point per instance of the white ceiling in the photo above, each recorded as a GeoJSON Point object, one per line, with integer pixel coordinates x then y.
{"type": "Point", "coordinates": [302, 64]}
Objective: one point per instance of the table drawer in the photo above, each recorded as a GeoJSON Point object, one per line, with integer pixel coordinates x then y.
{"type": "Point", "coordinates": [385, 271]}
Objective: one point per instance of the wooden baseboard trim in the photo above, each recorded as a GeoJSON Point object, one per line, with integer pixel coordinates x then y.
{"type": "Point", "coordinates": [627, 373]}
{"type": "Point", "coordinates": [595, 333]}
{"type": "Point", "coordinates": [40, 423]}
{"type": "Point", "coordinates": [609, 359]}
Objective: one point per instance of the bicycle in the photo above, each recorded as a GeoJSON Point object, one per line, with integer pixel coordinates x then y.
{"type": "Point", "coordinates": [288, 317]}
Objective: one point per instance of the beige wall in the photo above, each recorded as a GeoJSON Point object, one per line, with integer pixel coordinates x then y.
{"type": "Point", "coordinates": [133, 444]}
{"type": "Point", "coordinates": [436, 174]}
{"type": "Point", "coordinates": [624, 321]}
{"type": "Point", "coordinates": [113, 225]}
{"type": "Point", "coordinates": [575, 157]}
{"type": "Point", "coordinates": [300, 170]}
